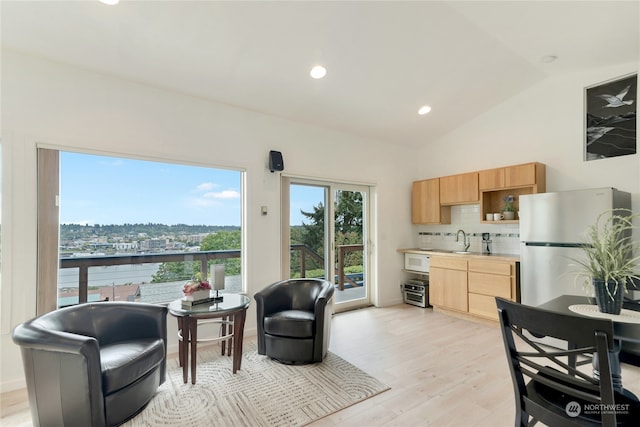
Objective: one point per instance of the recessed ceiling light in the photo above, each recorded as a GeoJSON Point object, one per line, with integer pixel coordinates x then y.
{"type": "Point", "coordinates": [109, 2]}
{"type": "Point", "coordinates": [424, 110]}
{"type": "Point", "coordinates": [547, 59]}
{"type": "Point", "coordinates": [318, 72]}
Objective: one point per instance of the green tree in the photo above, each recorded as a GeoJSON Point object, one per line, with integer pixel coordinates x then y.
{"type": "Point", "coordinates": [175, 271]}
{"type": "Point", "coordinates": [313, 235]}
{"type": "Point", "coordinates": [184, 270]}
{"type": "Point", "coordinates": [349, 212]}
{"type": "Point", "coordinates": [348, 221]}
{"type": "Point", "coordinates": [221, 241]}
{"type": "Point", "coordinates": [348, 229]}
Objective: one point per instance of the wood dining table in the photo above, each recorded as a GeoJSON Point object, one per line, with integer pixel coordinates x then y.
{"type": "Point", "coordinates": [626, 328]}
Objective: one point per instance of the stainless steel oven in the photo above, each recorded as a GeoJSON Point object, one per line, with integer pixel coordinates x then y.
{"type": "Point", "coordinates": [416, 292]}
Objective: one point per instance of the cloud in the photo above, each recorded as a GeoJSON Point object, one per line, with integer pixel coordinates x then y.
{"type": "Point", "coordinates": [206, 186]}
{"type": "Point", "coordinates": [213, 198]}
{"type": "Point", "coordinates": [226, 194]}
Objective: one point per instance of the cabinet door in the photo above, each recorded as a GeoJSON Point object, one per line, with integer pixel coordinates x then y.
{"type": "Point", "coordinates": [503, 268]}
{"type": "Point", "coordinates": [490, 285]}
{"type": "Point", "coordinates": [519, 175]}
{"type": "Point", "coordinates": [483, 305]}
{"type": "Point", "coordinates": [448, 288]}
{"type": "Point", "coordinates": [457, 189]}
{"type": "Point", "coordinates": [425, 203]}
{"type": "Point", "coordinates": [491, 179]}
{"type": "Point", "coordinates": [449, 262]}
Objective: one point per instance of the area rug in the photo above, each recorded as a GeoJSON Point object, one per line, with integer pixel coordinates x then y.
{"type": "Point", "coordinates": [261, 393]}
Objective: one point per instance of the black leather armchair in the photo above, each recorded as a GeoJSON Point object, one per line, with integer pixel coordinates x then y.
{"type": "Point", "coordinates": [294, 320]}
{"type": "Point", "coordinates": [94, 364]}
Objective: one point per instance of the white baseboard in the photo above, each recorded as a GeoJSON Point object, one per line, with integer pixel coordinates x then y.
{"type": "Point", "coordinates": [13, 385]}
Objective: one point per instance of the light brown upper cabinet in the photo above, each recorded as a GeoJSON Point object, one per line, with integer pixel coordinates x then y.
{"type": "Point", "coordinates": [425, 203]}
{"type": "Point", "coordinates": [527, 174]}
{"type": "Point", "coordinates": [431, 199]}
{"type": "Point", "coordinates": [491, 179]}
{"type": "Point", "coordinates": [518, 180]}
{"type": "Point", "coordinates": [459, 189]}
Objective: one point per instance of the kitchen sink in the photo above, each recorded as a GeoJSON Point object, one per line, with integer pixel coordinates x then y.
{"type": "Point", "coordinates": [446, 251]}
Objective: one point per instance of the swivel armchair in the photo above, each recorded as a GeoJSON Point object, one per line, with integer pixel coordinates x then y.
{"type": "Point", "coordinates": [94, 364]}
{"type": "Point", "coordinates": [294, 320]}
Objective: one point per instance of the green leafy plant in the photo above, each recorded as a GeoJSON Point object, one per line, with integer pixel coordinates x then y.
{"type": "Point", "coordinates": [610, 253]}
{"type": "Point", "coordinates": [508, 204]}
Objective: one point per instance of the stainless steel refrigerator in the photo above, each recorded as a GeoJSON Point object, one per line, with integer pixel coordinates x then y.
{"type": "Point", "coordinates": [552, 227]}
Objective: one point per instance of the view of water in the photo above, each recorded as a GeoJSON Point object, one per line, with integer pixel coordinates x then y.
{"type": "Point", "coordinates": [109, 275]}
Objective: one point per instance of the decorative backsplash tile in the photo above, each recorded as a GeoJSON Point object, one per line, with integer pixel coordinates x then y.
{"type": "Point", "coordinates": [505, 238]}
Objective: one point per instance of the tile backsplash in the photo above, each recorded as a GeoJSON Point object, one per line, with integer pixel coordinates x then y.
{"type": "Point", "coordinates": [505, 237]}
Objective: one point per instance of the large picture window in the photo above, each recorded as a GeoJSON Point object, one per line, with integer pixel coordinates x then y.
{"type": "Point", "coordinates": [115, 228]}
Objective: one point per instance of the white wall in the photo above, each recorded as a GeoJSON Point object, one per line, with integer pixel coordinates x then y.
{"type": "Point", "coordinates": [543, 124]}
{"type": "Point", "coordinates": [72, 109]}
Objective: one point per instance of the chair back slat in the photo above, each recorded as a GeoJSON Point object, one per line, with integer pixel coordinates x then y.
{"type": "Point", "coordinates": [541, 373]}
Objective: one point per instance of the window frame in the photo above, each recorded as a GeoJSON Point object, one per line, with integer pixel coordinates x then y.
{"type": "Point", "coordinates": [48, 218]}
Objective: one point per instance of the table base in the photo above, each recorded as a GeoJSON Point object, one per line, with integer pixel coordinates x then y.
{"type": "Point", "coordinates": [188, 340]}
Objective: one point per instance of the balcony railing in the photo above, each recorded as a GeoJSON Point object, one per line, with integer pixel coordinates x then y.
{"type": "Point", "coordinates": [83, 263]}
{"type": "Point", "coordinates": [305, 251]}
{"type": "Point", "coordinates": [305, 254]}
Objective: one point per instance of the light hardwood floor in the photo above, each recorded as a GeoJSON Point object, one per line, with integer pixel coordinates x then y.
{"type": "Point", "coordinates": [443, 371]}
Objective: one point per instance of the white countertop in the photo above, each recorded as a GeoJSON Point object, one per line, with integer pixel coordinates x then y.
{"type": "Point", "coordinates": [436, 252]}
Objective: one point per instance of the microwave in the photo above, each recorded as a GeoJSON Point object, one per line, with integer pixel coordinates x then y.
{"type": "Point", "coordinates": [416, 262]}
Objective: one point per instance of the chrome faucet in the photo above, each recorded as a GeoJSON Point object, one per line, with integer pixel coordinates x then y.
{"type": "Point", "coordinates": [465, 239]}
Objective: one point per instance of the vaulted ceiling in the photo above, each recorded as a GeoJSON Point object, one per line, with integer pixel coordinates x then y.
{"type": "Point", "coordinates": [384, 59]}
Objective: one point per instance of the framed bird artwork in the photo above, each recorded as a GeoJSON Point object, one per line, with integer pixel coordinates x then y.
{"type": "Point", "coordinates": [610, 122]}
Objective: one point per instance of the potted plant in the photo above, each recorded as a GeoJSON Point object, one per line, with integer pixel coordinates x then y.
{"type": "Point", "coordinates": [509, 209]}
{"type": "Point", "coordinates": [610, 258]}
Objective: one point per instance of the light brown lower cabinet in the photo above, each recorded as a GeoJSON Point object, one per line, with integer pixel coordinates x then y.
{"type": "Point", "coordinates": [471, 285]}
{"type": "Point", "coordinates": [448, 283]}
{"type": "Point", "coordinates": [487, 280]}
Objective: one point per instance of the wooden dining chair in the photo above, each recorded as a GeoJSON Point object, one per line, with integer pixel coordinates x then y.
{"type": "Point", "coordinates": [549, 386]}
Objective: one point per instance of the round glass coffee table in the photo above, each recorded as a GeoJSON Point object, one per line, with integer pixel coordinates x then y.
{"type": "Point", "coordinates": [232, 310]}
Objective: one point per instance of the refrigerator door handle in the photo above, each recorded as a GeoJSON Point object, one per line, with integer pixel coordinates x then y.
{"type": "Point", "coordinates": [556, 245]}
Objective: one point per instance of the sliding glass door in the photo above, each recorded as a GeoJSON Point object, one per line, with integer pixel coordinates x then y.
{"type": "Point", "coordinates": [327, 236]}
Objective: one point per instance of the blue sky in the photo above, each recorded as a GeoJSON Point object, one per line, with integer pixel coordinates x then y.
{"type": "Point", "coordinates": [111, 190]}
{"type": "Point", "coordinates": [303, 197]}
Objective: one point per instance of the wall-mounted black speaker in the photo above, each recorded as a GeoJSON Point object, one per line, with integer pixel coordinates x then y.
{"type": "Point", "coordinates": [275, 161]}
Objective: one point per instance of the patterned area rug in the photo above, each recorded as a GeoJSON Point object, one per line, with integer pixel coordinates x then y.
{"type": "Point", "coordinates": [261, 393]}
